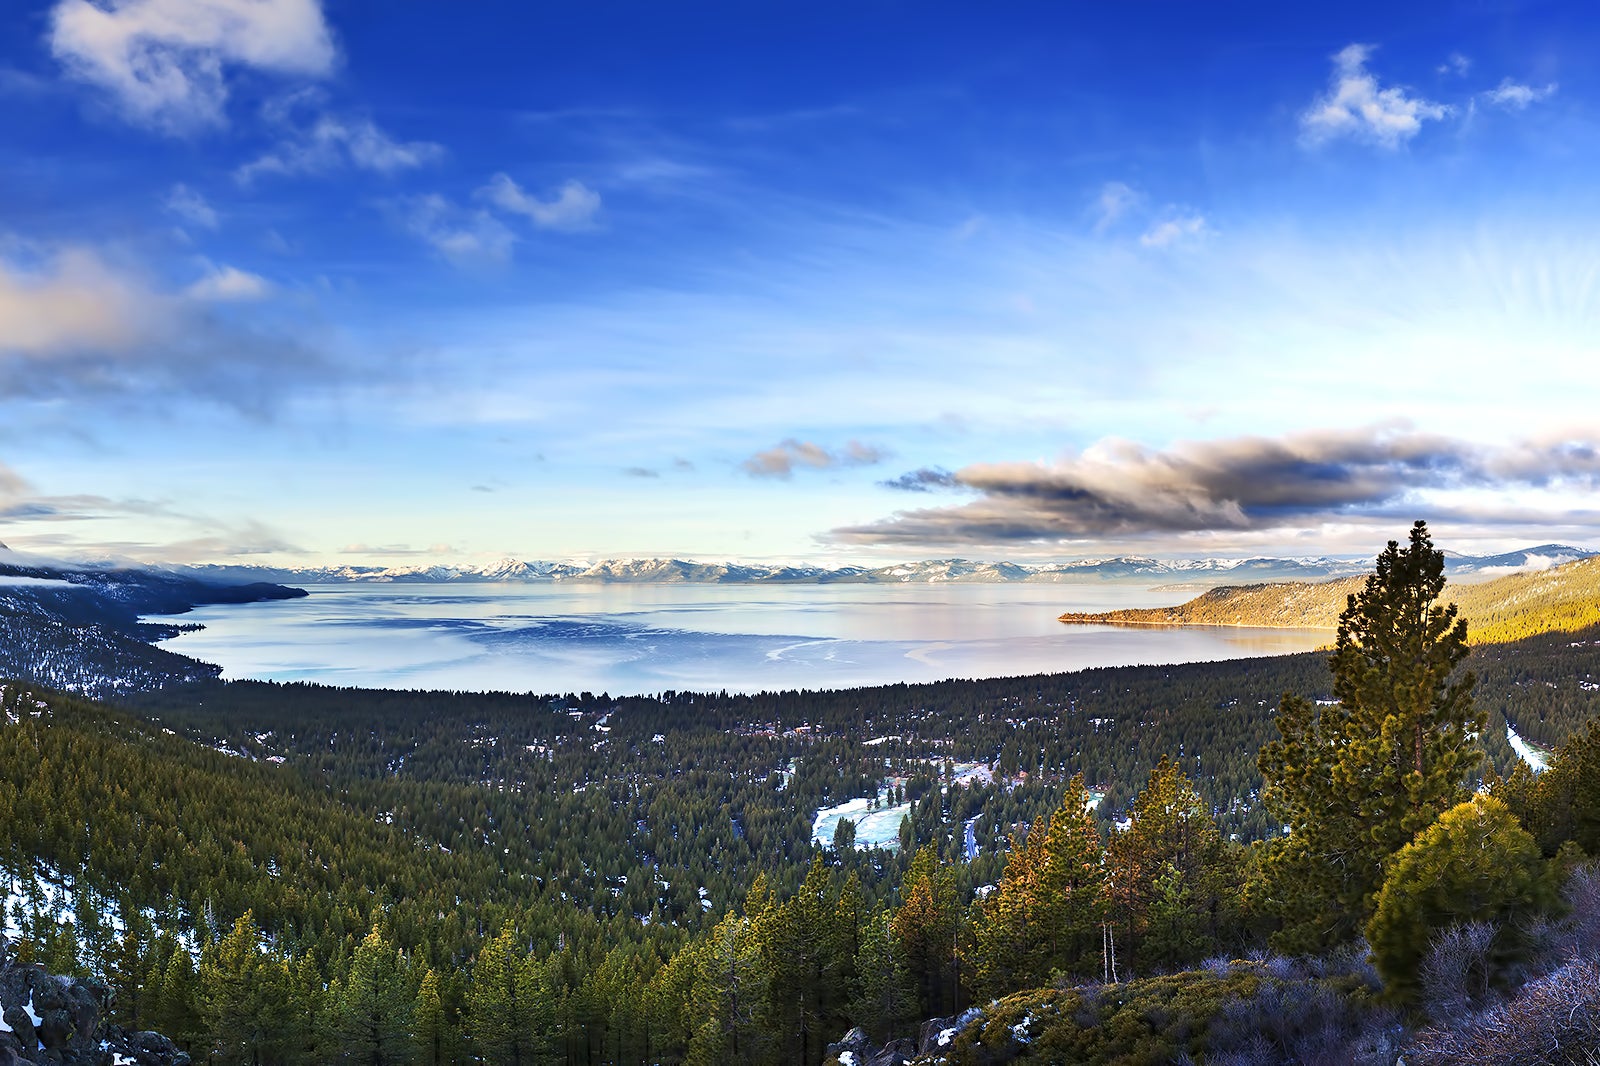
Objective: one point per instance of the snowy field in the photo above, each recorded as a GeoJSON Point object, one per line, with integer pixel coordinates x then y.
{"type": "Point", "coordinates": [874, 828]}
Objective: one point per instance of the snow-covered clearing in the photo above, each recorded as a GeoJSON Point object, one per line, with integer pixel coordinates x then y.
{"type": "Point", "coordinates": [874, 828]}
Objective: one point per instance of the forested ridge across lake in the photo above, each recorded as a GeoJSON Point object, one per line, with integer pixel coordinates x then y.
{"type": "Point", "coordinates": [1560, 599]}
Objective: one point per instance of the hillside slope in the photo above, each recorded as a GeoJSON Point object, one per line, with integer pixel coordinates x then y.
{"type": "Point", "coordinates": [83, 628]}
{"type": "Point", "coordinates": [1560, 599]}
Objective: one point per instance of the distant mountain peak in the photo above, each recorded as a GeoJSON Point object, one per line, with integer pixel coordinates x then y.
{"type": "Point", "coordinates": [672, 570]}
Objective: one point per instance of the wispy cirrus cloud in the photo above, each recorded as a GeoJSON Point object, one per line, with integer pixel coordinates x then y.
{"type": "Point", "coordinates": [573, 206]}
{"type": "Point", "coordinates": [1358, 107]}
{"type": "Point", "coordinates": [165, 64]}
{"type": "Point", "coordinates": [784, 458]}
{"type": "Point", "coordinates": [190, 207]}
{"type": "Point", "coordinates": [464, 236]}
{"type": "Point", "coordinates": [223, 283]}
{"type": "Point", "coordinates": [316, 140]}
{"type": "Point", "coordinates": [1175, 229]}
{"type": "Point", "coordinates": [1515, 96]}
{"type": "Point", "coordinates": [1117, 488]}
{"type": "Point", "coordinates": [469, 235]}
{"type": "Point", "coordinates": [70, 525]}
{"type": "Point", "coordinates": [1114, 200]}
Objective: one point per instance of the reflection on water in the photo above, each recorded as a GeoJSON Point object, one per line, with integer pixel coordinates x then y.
{"type": "Point", "coordinates": [626, 639]}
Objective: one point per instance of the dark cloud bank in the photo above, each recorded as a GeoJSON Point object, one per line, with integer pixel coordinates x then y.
{"type": "Point", "coordinates": [1245, 484]}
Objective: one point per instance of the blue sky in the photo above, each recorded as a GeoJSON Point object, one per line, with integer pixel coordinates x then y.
{"type": "Point", "coordinates": [293, 281]}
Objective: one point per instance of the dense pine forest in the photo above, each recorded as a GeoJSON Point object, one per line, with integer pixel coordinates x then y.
{"type": "Point", "coordinates": [1143, 869]}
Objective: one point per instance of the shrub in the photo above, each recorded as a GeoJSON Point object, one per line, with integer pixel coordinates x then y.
{"type": "Point", "coordinates": [1554, 1019]}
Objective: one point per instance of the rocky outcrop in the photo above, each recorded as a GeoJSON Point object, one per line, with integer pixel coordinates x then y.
{"type": "Point", "coordinates": [46, 1020]}
{"type": "Point", "coordinates": [856, 1048]}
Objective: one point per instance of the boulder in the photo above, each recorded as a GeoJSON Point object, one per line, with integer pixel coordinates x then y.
{"type": "Point", "coordinates": [937, 1033]}
{"type": "Point", "coordinates": [894, 1053]}
{"type": "Point", "coordinates": [71, 1027]}
{"type": "Point", "coordinates": [851, 1050]}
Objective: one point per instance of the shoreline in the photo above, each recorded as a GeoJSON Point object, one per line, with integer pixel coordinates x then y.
{"type": "Point", "coordinates": [1085, 620]}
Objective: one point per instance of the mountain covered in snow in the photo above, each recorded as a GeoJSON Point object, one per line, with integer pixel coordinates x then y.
{"type": "Point", "coordinates": [1129, 568]}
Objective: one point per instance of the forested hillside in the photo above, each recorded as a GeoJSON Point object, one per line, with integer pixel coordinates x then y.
{"type": "Point", "coordinates": [1561, 599]}
{"type": "Point", "coordinates": [82, 629]}
{"type": "Point", "coordinates": [610, 834]}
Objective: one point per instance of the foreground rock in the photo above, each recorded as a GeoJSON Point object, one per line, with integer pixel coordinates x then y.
{"type": "Point", "coordinates": [856, 1049]}
{"type": "Point", "coordinates": [47, 1020]}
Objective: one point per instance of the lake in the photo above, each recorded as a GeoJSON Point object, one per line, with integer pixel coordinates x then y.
{"type": "Point", "coordinates": [632, 639]}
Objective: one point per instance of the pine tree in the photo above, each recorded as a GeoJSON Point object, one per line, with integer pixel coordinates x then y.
{"type": "Point", "coordinates": [505, 1003]}
{"type": "Point", "coordinates": [1073, 885]}
{"type": "Point", "coordinates": [1475, 864]}
{"type": "Point", "coordinates": [374, 1006]}
{"type": "Point", "coordinates": [1168, 879]}
{"type": "Point", "coordinates": [127, 964]}
{"type": "Point", "coordinates": [883, 998]}
{"type": "Point", "coordinates": [804, 953]}
{"type": "Point", "coordinates": [730, 984]}
{"type": "Point", "coordinates": [243, 997]}
{"type": "Point", "coordinates": [1357, 780]}
{"type": "Point", "coordinates": [925, 928]}
{"type": "Point", "coordinates": [428, 1021]}
{"type": "Point", "coordinates": [175, 1010]}
{"type": "Point", "coordinates": [1010, 942]}
{"type": "Point", "coordinates": [313, 1038]}
{"type": "Point", "coordinates": [1044, 917]}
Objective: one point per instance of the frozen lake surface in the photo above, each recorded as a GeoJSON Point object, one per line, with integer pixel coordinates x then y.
{"type": "Point", "coordinates": [632, 639]}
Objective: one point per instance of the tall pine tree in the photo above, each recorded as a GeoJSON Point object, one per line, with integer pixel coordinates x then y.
{"type": "Point", "coordinates": [1356, 780]}
{"type": "Point", "coordinates": [375, 1006]}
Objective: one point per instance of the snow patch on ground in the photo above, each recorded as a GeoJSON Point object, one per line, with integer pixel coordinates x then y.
{"type": "Point", "coordinates": [53, 898]}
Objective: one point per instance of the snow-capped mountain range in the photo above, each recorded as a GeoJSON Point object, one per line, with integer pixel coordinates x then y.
{"type": "Point", "coordinates": [680, 571]}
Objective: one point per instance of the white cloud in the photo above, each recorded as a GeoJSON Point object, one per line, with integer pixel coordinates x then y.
{"type": "Point", "coordinates": [164, 62]}
{"type": "Point", "coordinates": [574, 206]}
{"type": "Point", "coordinates": [1356, 107]}
{"type": "Point", "coordinates": [329, 142]}
{"type": "Point", "coordinates": [460, 235]}
{"type": "Point", "coordinates": [227, 284]}
{"type": "Point", "coordinates": [78, 322]}
{"type": "Point", "coordinates": [1515, 97]}
{"type": "Point", "coordinates": [72, 301]}
{"type": "Point", "coordinates": [1113, 202]}
{"type": "Point", "coordinates": [1174, 230]}
{"type": "Point", "coordinates": [1456, 64]}
{"type": "Point", "coordinates": [191, 207]}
